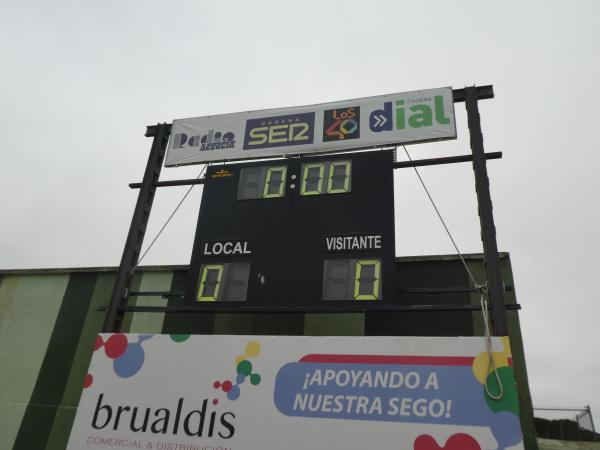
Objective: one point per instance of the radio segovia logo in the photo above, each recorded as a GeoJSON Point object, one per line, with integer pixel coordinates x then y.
{"type": "Point", "coordinates": [279, 131]}
{"type": "Point", "coordinates": [340, 124]}
{"type": "Point", "coordinates": [413, 113]}
{"type": "Point", "coordinates": [210, 141]}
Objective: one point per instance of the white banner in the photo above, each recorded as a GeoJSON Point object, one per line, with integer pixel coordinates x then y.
{"type": "Point", "coordinates": [182, 392]}
{"type": "Point", "coordinates": [403, 118]}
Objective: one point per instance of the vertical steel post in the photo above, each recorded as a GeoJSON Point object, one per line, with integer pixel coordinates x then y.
{"type": "Point", "coordinates": [589, 411]}
{"type": "Point", "coordinates": [137, 229]}
{"type": "Point", "coordinates": [486, 217]}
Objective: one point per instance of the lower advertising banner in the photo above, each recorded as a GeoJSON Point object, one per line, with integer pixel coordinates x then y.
{"type": "Point", "coordinates": [188, 392]}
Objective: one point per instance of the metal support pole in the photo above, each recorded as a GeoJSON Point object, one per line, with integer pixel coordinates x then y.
{"type": "Point", "coordinates": [137, 229]}
{"type": "Point", "coordinates": [486, 217]}
{"type": "Point", "coordinates": [187, 182]}
{"type": "Point", "coordinates": [589, 411]}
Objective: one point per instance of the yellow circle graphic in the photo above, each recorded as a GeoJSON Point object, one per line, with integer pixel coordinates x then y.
{"type": "Point", "coordinates": [482, 366]}
{"type": "Point", "coordinates": [252, 349]}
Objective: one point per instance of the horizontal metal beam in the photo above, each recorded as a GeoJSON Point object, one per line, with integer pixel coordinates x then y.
{"type": "Point", "coordinates": [419, 290]}
{"type": "Point", "coordinates": [443, 160]}
{"type": "Point", "coordinates": [186, 182]}
{"type": "Point", "coordinates": [482, 92]}
{"type": "Point", "coordinates": [442, 290]}
{"type": "Point", "coordinates": [213, 307]}
{"type": "Point", "coordinates": [154, 294]}
{"type": "Point", "coordinates": [398, 165]}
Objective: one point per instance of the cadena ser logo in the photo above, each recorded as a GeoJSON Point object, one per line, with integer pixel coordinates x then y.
{"type": "Point", "coordinates": [415, 112]}
{"type": "Point", "coordinates": [279, 131]}
{"type": "Point", "coordinates": [340, 124]}
{"type": "Point", "coordinates": [213, 140]}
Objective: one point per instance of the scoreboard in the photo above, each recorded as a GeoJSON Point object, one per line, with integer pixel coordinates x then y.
{"type": "Point", "coordinates": [303, 233]}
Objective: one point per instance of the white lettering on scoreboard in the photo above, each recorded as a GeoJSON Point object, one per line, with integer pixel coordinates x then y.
{"type": "Point", "coordinates": [226, 248]}
{"type": "Point", "coordinates": [353, 243]}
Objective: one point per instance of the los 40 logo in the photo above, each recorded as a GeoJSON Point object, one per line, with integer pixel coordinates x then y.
{"type": "Point", "coordinates": [279, 131]}
{"type": "Point", "coordinates": [340, 124]}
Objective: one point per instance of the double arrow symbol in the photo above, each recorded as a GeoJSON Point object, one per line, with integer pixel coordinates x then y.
{"type": "Point", "coordinates": [380, 120]}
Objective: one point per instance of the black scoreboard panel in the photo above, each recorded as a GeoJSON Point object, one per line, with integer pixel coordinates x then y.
{"type": "Point", "coordinates": [312, 233]}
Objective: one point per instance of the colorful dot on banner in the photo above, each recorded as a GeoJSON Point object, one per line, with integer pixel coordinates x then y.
{"type": "Point", "coordinates": [115, 346]}
{"type": "Point", "coordinates": [179, 337]}
{"type": "Point", "coordinates": [234, 393]}
{"type": "Point", "coordinates": [89, 379]}
{"type": "Point", "coordinates": [215, 401]}
{"type": "Point", "coordinates": [482, 366]}
{"type": "Point", "coordinates": [252, 349]}
{"type": "Point", "coordinates": [509, 401]}
{"type": "Point", "coordinates": [254, 379]}
{"type": "Point", "coordinates": [130, 363]}
{"type": "Point", "coordinates": [99, 342]}
{"type": "Point", "coordinates": [244, 367]}
{"type": "Point", "coordinates": [506, 428]}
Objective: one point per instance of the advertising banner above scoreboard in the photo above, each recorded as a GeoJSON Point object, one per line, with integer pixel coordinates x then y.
{"type": "Point", "coordinates": [403, 118]}
{"type": "Point", "coordinates": [270, 392]}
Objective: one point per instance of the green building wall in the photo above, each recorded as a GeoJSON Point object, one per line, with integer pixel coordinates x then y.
{"type": "Point", "coordinates": [49, 320]}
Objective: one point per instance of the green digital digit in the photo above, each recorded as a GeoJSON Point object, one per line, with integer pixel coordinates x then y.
{"type": "Point", "coordinates": [312, 179]}
{"type": "Point", "coordinates": [366, 281]}
{"type": "Point", "coordinates": [210, 282]}
{"type": "Point", "coordinates": [338, 180]}
{"type": "Point", "coordinates": [275, 182]}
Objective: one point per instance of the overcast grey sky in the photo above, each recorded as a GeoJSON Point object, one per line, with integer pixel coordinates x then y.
{"type": "Point", "coordinates": [81, 80]}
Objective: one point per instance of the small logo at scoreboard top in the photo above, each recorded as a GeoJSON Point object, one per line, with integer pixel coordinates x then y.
{"type": "Point", "coordinates": [279, 131]}
{"type": "Point", "coordinates": [222, 174]}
